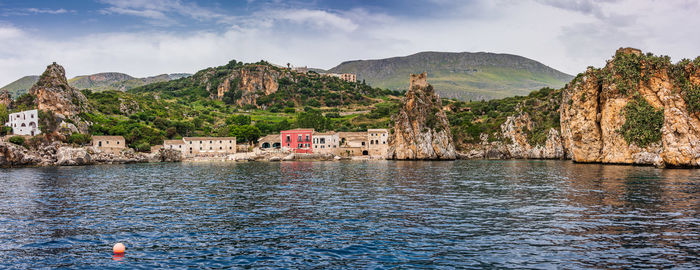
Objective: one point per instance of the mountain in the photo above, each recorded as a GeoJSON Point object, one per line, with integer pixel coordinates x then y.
{"type": "Point", "coordinates": [465, 75]}
{"type": "Point", "coordinates": [96, 82]}
{"type": "Point", "coordinates": [21, 86]}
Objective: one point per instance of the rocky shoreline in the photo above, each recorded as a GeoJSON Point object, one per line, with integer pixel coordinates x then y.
{"type": "Point", "coordinates": [58, 154]}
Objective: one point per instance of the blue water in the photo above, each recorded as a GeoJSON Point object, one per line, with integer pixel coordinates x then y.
{"type": "Point", "coordinates": [380, 214]}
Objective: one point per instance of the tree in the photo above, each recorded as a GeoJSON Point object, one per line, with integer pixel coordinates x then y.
{"type": "Point", "coordinates": [239, 119]}
{"type": "Point", "coordinates": [244, 133]}
{"type": "Point", "coordinates": [18, 140]}
{"type": "Point", "coordinates": [312, 119]}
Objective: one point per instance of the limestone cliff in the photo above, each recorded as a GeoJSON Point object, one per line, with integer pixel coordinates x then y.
{"type": "Point", "coordinates": [5, 98]}
{"type": "Point", "coordinates": [248, 83]}
{"type": "Point", "coordinates": [638, 109]}
{"type": "Point", "coordinates": [52, 93]}
{"type": "Point", "coordinates": [421, 129]}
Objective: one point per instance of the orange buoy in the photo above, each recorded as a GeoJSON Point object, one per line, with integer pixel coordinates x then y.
{"type": "Point", "coordinates": [119, 248]}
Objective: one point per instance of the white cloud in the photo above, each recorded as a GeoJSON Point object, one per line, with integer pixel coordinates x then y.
{"type": "Point", "coordinates": [34, 11]}
{"type": "Point", "coordinates": [566, 38]}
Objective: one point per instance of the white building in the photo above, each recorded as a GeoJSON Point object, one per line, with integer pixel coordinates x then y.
{"type": "Point", "coordinates": [326, 142]}
{"type": "Point", "coordinates": [24, 123]}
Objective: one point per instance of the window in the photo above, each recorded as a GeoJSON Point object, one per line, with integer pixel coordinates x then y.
{"type": "Point", "coordinates": [107, 142]}
{"type": "Point", "coordinates": [179, 146]}
{"type": "Point", "coordinates": [190, 143]}
{"type": "Point", "coordinates": [117, 142]}
{"type": "Point", "coordinates": [289, 138]}
{"type": "Point", "coordinates": [363, 143]}
{"type": "Point", "coordinates": [221, 148]}
{"type": "Point", "coordinates": [229, 148]}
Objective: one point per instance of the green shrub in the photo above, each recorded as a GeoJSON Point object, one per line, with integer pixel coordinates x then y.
{"type": "Point", "coordinates": [79, 139]}
{"type": "Point", "coordinates": [18, 140]}
{"type": "Point", "coordinates": [643, 123]}
{"type": "Point", "coordinates": [692, 97]}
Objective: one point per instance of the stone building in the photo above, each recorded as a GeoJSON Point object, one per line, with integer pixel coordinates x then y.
{"type": "Point", "coordinates": [178, 145]}
{"type": "Point", "coordinates": [353, 144]}
{"type": "Point", "coordinates": [24, 123]}
{"type": "Point", "coordinates": [109, 144]}
{"type": "Point", "coordinates": [348, 77]}
{"type": "Point", "coordinates": [377, 142]}
{"type": "Point", "coordinates": [209, 146]}
{"type": "Point", "coordinates": [270, 142]}
{"type": "Point", "coordinates": [328, 142]}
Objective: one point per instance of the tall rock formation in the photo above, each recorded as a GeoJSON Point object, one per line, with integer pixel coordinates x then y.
{"type": "Point", "coordinates": [421, 129]}
{"type": "Point", "coordinates": [249, 82]}
{"type": "Point", "coordinates": [638, 109]}
{"type": "Point", "coordinates": [52, 93]}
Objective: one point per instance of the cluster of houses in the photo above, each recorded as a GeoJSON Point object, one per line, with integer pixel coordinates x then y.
{"type": "Point", "coordinates": [373, 142]}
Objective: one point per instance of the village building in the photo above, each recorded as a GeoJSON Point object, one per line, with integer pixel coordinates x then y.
{"type": "Point", "coordinates": [270, 142]}
{"type": "Point", "coordinates": [377, 142]}
{"type": "Point", "coordinates": [209, 146]}
{"type": "Point", "coordinates": [326, 142]}
{"type": "Point", "coordinates": [109, 144]}
{"type": "Point", "coordinates": [24, 123]}
{"type": "Point", "coordinates": [353, 144]}
{"type": "Point", "coordinates": [178, 145]}
{"type": "Point", "coordinates": [348, 77]}
{"type": "Point", "coordinates": [297, 140]}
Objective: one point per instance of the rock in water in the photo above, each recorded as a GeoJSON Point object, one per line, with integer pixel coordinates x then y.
{"type": "Point", "coordinates": [655, 95]}
{"type": "Point", "coordinates": [12, 155]}
{"type": "Point", "coordinates": [52, 93]}
{"type": "Point", "coordinates": [421, 129]}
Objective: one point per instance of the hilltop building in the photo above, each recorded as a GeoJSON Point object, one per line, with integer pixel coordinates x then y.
{"type": "Point", "coordinates": [297, 140]}
{"type": "Point", "coordinates": [109, 144]}
{"type": "Point", "coordinates": [24, 123]}
{"type": "Point", "coordinates": [348, 77]}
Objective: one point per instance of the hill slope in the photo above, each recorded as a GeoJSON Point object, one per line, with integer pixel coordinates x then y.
{"type": "Point", "coordinates": [96, 82]}
{"type": "Point", "coordinates": [463, 75]}
{"type": "Point", "coordinates": [21, 86]}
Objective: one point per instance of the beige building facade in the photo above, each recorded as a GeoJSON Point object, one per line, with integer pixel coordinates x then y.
{"type": "Point", "coordinates": [328, 142]}
{"type": "Point", "coordinates": [209, 146]}
{"type": "Point", "coordinates": [377, 142]}
{"type": "Point", "coordinates": [109, 144]}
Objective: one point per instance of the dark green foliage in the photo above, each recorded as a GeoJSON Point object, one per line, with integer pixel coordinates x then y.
{"type": "Point", "coordinates": [4, 115]}
{"type": "Point", "coordinates": [4, 130]}
{"type": "Point", "coordinates": [692, 98]}
{"type": "Point", "coordinates": [238, 119]}
{"type": "Point", "coordinates": [48, 122]}
{"type": "Point", "coordinates": [643, 123]}
{"type": "Point", "coordinates": [312, 119]}
{"type": "Point", "coordinates": [79, 139]}
{"type": "Point", "coordinates": [18, 140]}
{"type": "Point", "coordinates": [23, 103]}
{"type": "Point", "coordinates": [245, 133]}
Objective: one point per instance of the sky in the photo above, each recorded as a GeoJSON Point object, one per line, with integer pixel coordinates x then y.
{"type": "Point", "coordinates": [150, 37]}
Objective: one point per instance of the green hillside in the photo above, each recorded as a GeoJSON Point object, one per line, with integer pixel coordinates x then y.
{"type": "Point", "coordinates": [465, 76]}
{"type": "Point", "coordinates": [21, 86]}
{"type": "Point", "coordinates": [95, 82]}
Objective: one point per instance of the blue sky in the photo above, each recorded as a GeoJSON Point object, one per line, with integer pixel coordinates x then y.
{"type": "Point", "coordinates": [150, 37]}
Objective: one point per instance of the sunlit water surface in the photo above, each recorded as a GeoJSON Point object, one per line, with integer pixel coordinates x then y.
{"type": "Point", "coordinates": [462, 214]}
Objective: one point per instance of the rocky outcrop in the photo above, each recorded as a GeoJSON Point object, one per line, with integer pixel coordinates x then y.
{"type": "Point", "coordinates": [421, 129]}
{"type": "Point", "coordinates": [5, 98]}
{"type": "Point", "coordinates": [519, 146]}
{"type": "Point", "coordinates": [69, 156]}
{"type": "Point", "coordinates": [169, 155]}
{"type": "Point", "coordinates": [252, 82]}
{"type": "Point", "coordinates": [52, 93]}
{"type": "Point", "coordinates": [594, 106]}
{"type": "Point", "coordinates": [12, 155]}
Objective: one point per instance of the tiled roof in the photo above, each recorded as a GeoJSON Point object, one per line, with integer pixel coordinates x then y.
{"type": "Point", "coordinates": [107, 138]}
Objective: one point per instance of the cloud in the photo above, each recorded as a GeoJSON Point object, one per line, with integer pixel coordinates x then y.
{"type": "Point", "coordinates": [566, 37]}
{"type": "Point", "coordinates": [160, 11]}
{"type": "Point", "coordinates": [35, 11]}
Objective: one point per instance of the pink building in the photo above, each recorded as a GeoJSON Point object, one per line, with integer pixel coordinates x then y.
{"type": "Point", "coordinates": [297, 140]}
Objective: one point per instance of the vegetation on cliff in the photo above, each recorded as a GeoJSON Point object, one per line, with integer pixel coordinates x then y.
{"type": "Point", "coordinates": [469, 120]}
{"type": "Point", "coordinates": [643, 123]}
